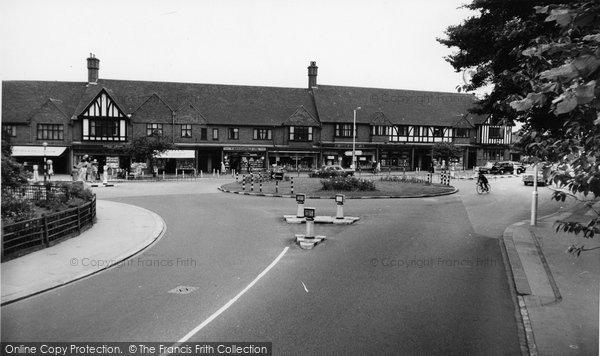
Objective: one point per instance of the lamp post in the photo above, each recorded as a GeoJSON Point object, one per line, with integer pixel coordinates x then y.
{"type": "Point", "coordinates": [534, 198]}
{"type": "Point", "coordinates": [45, 144]}
{"type": "Point", "coordinates": [353, 165]}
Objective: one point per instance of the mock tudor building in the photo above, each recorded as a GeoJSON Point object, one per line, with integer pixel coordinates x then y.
{"type": "Point", "coordinates": [242, 127]}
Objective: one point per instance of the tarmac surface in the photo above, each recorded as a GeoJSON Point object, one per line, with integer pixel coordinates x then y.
{"type": "Point", "coordinates": [558, 293]}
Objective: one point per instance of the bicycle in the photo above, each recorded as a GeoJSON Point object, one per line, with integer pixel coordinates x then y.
{"type": "Point", "coordinates": [481, 189]}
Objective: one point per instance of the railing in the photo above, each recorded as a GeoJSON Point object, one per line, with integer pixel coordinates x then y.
{"type": "Point", "coordinates": [36, 192]}
{"type": "Point", "coordinates": [29, 235]}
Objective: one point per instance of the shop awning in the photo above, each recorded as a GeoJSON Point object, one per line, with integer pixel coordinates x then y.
{"type": "Point", "coordinates": [37, 151]}
{"type": "Point", "coordinates": [177, 154]}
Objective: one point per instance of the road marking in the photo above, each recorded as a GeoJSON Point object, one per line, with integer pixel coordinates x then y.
{"type": "Point", "coordinates": [230, 303]}
{"type": "Point", "coordinates": [304, 285]}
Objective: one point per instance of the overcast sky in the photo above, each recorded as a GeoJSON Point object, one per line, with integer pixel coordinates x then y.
{"type": "Point", "coordinates": [367, 43]}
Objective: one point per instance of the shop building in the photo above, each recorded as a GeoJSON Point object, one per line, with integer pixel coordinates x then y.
{"type": "Point", "coordinates": [242, 128]}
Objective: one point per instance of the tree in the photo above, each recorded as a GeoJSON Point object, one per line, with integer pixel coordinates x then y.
{"type": "Point", "coordinates": [145, 149]}
{"type": "Point", "coordinates": [446, 151]}
{"type": "Point", "coordinates": [13, 174]}
{"type": "Point", "coordinates": [543, 59]}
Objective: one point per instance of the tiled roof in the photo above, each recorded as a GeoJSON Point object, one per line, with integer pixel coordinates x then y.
{"type": "Point", "coordinates": [400, 107]}
{"type": "Point", "coordinates": [21, 99]}
{"type": "Point", "coordinates": [245, 105]}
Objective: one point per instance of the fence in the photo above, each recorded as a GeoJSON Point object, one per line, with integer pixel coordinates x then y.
{"type": "Point", "coordinates": [37, 192]}
{"type": "Point", "coordinates": [25, 236]}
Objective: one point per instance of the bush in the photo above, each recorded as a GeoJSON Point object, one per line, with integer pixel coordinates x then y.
{"type": "Point", "coordinates": [325, 174]}
{"type": "Point", "coordinates": [403, 179]}
{"type": "Point", "coordinates": [348, 184]}
{"type": "Point", "coordinates": [16, 209]}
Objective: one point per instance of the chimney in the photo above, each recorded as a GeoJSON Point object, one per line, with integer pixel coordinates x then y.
{"type": "Point", "coordinates": [312, 75]}
{"type": "Point", "coordinates": [93, 65]}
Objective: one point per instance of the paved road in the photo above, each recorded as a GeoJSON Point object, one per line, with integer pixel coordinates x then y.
{"type": "Point", "coordinates": [413, 276]}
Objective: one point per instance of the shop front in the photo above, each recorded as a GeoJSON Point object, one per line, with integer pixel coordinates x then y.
{"type": "Point", "coordinates": [176, 161]}
{"type": "Point", "coordinates": [294, 160]}
{"type": "Point", "coordinates": [31, 156]}
{"type": "Point", "coordinates": [245, 159]}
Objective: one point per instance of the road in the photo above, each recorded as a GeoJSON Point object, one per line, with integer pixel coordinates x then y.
{"type": "Point", "coordinates": [412, 276]}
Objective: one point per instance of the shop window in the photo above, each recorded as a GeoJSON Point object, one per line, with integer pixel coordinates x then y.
{"type": "Point", "coordinates": [203, 133]}
{"type": "Point", "coordinates": [154, 129]}
{"type": "Point", "coordinates": [233, 133]}
{"type": "Point", "coordinates": [186, 130]}
{"type": "Point", "coordinates": [263, 134]}
{"type": "Point", "coordinates": [50, 132]}
{"type": "Point", "coordinates": [215, 134]}
{"type": "Point", "coordinates": [10, 130]}
{"type": "Point", "coordinates": [301, 133]}
{"type": "Point", "coordinates": [343, 130]}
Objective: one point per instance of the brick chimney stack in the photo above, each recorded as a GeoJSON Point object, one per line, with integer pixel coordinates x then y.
{"type": "Point", "coordinates": [312, 75]}
{"type": "Point", "coordinates": [93, 65]}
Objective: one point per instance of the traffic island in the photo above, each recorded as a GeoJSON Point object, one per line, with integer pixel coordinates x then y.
{"type": "Point", "coordinates": [300, 216]}
{"type": "Point", "coordinates": [308, 241]}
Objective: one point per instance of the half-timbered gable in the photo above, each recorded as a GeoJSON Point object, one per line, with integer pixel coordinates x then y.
{"type": "Point", "coordinates": [103, 120]}
{"type": "Point", "coordinates": [490, 134]}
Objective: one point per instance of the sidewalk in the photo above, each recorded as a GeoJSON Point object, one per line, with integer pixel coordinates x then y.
{"type": "Point", "coordinates": [121, 230]}
{"type": "Point", "coordinates": [558, 293]}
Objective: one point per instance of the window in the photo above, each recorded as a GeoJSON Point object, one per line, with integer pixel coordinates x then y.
{"type": "Point", "coordinates": [301, 133]}
{"type": "Point", "coordinates": [104, 128]}
{"type": "Point", "coordinates": [263, 134]}
{"type": "Point", "coordinates": [438, 132]}
{"type": "Point", "coordinates": [50, 132]}
{"type": "Point", "coordinates": [154, 129]}
{"type": "Point", "coordinates": [380, 130]}
{"type": "Point", "coordinates": [203, 133]}
{"type": "Point", "coordinates": [343, 130]}
{"type": "Point", "coordinates": [215, 135]}
{"type": "Point", "coordinates": [496, 132]}
{"type": "Point", "coordinates": [461, 132]}
{"type": "Point", "coordinates": [186, 130]}
{"type": "Point", "coordinates": [10, 130]}
{"type": "Point", "coordinates": [233, 133]}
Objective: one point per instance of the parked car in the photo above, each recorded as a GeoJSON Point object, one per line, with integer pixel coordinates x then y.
{"type": "Point", "coordinates": [518, 167]}
{"type": "Point", "coordinates": [335, 170]}
{"type": "Point", "coordinates": [530, 173]}
{"type": "Point", "coordinates": [487, 168]}
{"type": "Point", "coordinates": [502, 167]}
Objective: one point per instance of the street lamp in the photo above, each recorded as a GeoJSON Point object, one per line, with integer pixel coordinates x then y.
{"type": "Point", "coordinates": [353, 165]}
{"type": "Point", "coordinates": [45, 144]}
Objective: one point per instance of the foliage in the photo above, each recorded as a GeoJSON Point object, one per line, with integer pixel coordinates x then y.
{"type": "Point", "coordinates": [145, 149]}
{"type": "Point", "coordinates": [326, 174]}
{"type": "Point", "coordinates": [348, 184]}
{"type": "Point", "coordinates": [543, 59]}
{"type": "Point", "coordinates": [13, 174]}
{"type": "Point", "coordinates": [15, 208]}
{"type": "Point", "coordinates": [403, 179]}
{"type": "Point", "coordinates": [446, 151]}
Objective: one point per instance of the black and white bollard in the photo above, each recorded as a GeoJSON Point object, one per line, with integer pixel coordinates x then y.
{"type": "Point", "coordinates": [300, 199]}
{"type": "Point", "coordinates": [244, 183]}
{"type": "Point", "coordinates": [292, 184]}
{"type": "Point", "coordinates": [276, 186]}
{"type": "Point", "coordinates": [339, 200]}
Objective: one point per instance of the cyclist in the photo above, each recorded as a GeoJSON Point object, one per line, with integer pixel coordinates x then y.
{"type": "Point", "coordinates": [482, 180]}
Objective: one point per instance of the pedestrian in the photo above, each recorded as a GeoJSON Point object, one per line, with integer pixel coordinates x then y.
{"type": "Point", "coordinates": [74, 173]}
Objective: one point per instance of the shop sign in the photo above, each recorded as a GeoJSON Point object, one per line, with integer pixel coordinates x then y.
{"type": "Point", "coordinates": [112, 162]}
{"type": "Point", "coordinates": [356, 153]}
{"type": "Point", "coordinates": [245, 149]}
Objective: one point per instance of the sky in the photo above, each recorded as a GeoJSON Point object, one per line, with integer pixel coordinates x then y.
{"type": "Point", "coordinates": [363, 43]}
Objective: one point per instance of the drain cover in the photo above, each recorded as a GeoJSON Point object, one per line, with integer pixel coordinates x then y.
{"type": "Point", "coordinates": [183, 290]}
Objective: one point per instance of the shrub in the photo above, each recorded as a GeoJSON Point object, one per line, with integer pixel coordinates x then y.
{"type": "Point", "coordinates": [15, 208]}
{"type": "Point", "coordinates": [325, 174]}
{"type": "Point", "coordinates": [348, 184]}
{"type": "Point", "coordinates": [403, 179]}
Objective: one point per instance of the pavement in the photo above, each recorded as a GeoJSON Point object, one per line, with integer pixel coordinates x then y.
{"type": "Point", "coordinates": [558, 293]}
{"type": "Point", "coordinates": [121, 231]}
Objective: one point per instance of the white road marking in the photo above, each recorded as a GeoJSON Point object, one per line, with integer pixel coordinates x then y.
{"type": "Point", "coordinates": [304, 285]}
{"type": "Point", "coordinates": [230, 303]}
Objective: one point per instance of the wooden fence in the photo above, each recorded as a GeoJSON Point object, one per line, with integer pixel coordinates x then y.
{"type": "Point", "coordinates": [29, 235]}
